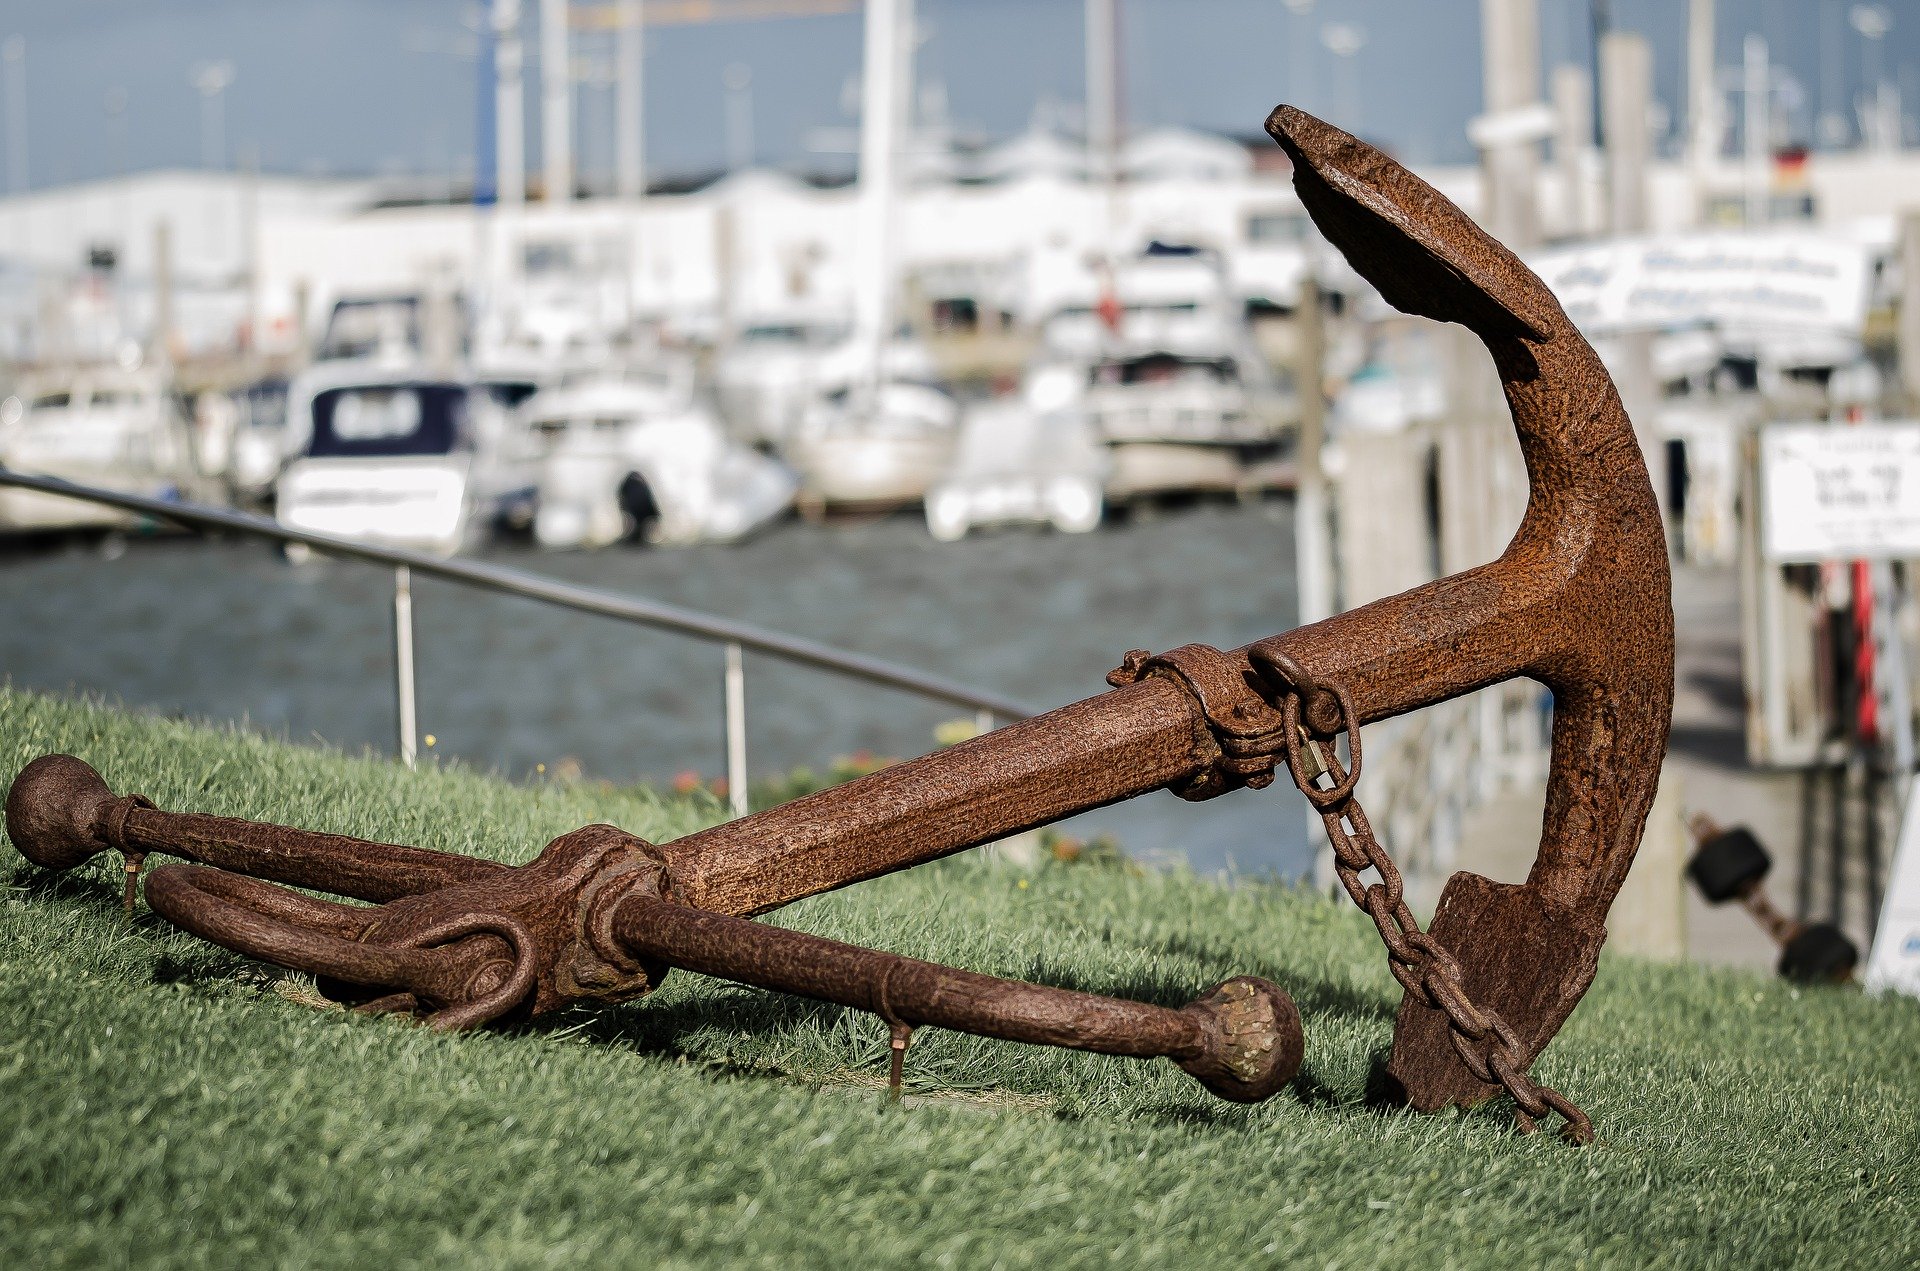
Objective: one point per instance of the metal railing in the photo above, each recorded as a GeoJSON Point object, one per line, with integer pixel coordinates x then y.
{"type": "Point", "coordinates": [737, 637]}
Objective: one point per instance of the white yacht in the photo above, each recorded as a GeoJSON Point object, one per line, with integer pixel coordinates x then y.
{"type": "Point", "coordinates": [1030, 459]}
{"type": "Point", "coordinates": [1174, 385]}
{"type": "Point", "coordinates": [616, 456]}
{"type": "Point", "coordinates": [115, 427]}
{"type": "Point", "coordinates": [1182, 421]}
{"type": "Point", "coordinates": [768, 374]}
{"type": "Point", "coordinates": [1169, 296]}
{"type": "Point", "coordinates": [394, 454]}
{"type": "Point", "coordinates": [259, 445]}
{"type": "Point", "coordinates": [873, 445]}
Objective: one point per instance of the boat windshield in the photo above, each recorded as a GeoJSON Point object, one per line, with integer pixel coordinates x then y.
{"type": "Point", "coordinates": [107, 397]}
{"type": "Point", "coordinates": [1166, 368]}
{"type": "Point", "coordinates": [775, 333]}
{"type": "Point", "coordinates": [369, 421]}
{"type": "Point", "coordinates": [508, 393]}
{"type": "Point", "coordinates": [263, 404]}
{"type": "Point", "coordinates": [361, 328]}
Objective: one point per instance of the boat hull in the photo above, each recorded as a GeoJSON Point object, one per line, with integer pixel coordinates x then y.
{"type": "Point", "coordinates": [398, 502]}
{"type": "Point", "coordinates": [1145, 468]}
{"type": "Point", "coordinates": [869, 471]}
{"type": "Point", "coordinates": [31, 512]}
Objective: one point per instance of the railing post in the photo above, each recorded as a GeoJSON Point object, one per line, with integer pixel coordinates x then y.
{"type": "Point", "coordinates": [736, 730]}
{"type": "Point", "coordinates": [982, 723]}
{"type": "Point", "coordinates": [403, 662]}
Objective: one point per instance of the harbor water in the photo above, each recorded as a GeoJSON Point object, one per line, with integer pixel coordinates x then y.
{"type": "Point", "coordinates": [229, 631]}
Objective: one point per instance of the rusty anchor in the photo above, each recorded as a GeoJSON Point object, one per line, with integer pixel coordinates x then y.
{"type": "Point", "coordinates": [1579, 601]}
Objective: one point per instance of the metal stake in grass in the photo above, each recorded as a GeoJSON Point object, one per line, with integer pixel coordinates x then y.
{"type": "Point", "coordinates": [131, 888]}
{"type": "Point", "coordinates": [896, 1066]}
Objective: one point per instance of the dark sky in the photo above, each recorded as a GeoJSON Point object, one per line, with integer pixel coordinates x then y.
{"type": "Point", "coordinates": [389, 85]}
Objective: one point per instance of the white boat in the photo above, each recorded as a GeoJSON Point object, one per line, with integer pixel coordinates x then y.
{"type": "Point", "coordinates": [115, 427]}
{"type": "Point", "coordinates": [258, 446]}
{"type": "Point", "coordinates": [769, 373]}
{"type": "Point", "coordinates": [1178, 422]}
{"type": "Point", "coordinates": [1168, 297]}
{"type": "Point", "coordinates": [395, 455]}
{"type": "Point", "coordinates": [638, 454]}
{"type": "Point", "coordinates": [385, 324]}
{"type": "Point", "coordinates": [1033, 459]}
{"type": "Point", "coordinates": [874, 446]}
{"type": "Point", "coordinates": [1174, 384]}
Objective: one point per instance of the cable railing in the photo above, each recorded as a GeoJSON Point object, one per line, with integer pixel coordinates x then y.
{"type": "Point", "coordinates": [736, 637]}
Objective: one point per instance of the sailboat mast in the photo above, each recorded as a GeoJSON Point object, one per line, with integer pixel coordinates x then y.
{"type": "Point", "coordinates": [556, 100]}
{"type": "Point", "coordinates": [629, 101]}
{"type": "Point", "coordinates": [1103, 140]}
{"type": "Point", "coordinates": [883, 94]}
{"type": "Point", "coordinates": [509, 109]}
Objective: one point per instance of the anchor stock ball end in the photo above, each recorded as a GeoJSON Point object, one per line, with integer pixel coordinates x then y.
{"type": "Point", "coordinates": [1253, 1041]}
{"type": "Point", "coordinates": [52, 811]}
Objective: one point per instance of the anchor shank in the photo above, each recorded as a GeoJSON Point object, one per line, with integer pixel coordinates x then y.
{"type": "Point", "coordinates": [1396, 655]}
{"type": "Point", "coordinates": [1092, 753]}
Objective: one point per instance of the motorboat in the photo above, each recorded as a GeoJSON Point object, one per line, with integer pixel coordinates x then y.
{"type": "Point", "coordinates": [1171, 296]}
{"type": "Point", "coordinates": [1175, 387]}
{"type": "Point", "coordinates": [769, 373]}
{"type": "Point", "coordinates": [396, 454]}
{"type": "Point", "coordinates": [1033, 458]}
{"type": "Point", "coordinates": [638, 454]}
{"type": "Point", "coordinates": [116, 427]}
{"type": "Point", "coordinates": [873, 445]}
{"type": "Point", "coordinates": [240, 438]}
{"type": "Point", "coordinates": [259, 445]}
{"type": "Point", "coordinates": [384, 324]}
{"type": "Point", "coordinates": [1182, 421]}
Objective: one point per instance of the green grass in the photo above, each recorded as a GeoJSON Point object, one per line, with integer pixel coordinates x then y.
{"type": "Point", "coordinates": [170, 1104]}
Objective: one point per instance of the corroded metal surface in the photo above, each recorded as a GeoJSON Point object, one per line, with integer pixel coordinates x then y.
{"type": "Point", "coordinates": [585, 920]}
{"type": "Point", "coordinates": [1579, 601]}
{"type": "Point", "coordinates": [1240, 1039]}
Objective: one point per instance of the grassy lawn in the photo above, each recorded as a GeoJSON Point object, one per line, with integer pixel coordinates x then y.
{"type": "Point", "coordinates": [170, 1104]}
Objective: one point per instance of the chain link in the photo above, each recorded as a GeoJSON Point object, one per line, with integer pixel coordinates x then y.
{"type": "Point", "coordinates": [1486, 1043]}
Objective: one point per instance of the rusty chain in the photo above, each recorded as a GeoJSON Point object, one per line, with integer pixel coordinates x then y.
{"type": "Point", "coordinates": [1486, 1043]}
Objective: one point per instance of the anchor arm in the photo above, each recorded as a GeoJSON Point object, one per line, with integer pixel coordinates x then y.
{"type": "Point", "coordinates": [1240, 1039]}
{"type": "Point", "coordinates": [1580, 600]}
{"type": "Point", "coordinates": [586, 919]}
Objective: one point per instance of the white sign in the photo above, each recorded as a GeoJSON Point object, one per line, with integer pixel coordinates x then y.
{"type": "Point", "coordinates": [1840, 491]}
{"type": "Point", "coordinates": [1794, 279]}
{"type": "Point", "coordinates": [1894, 963]}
